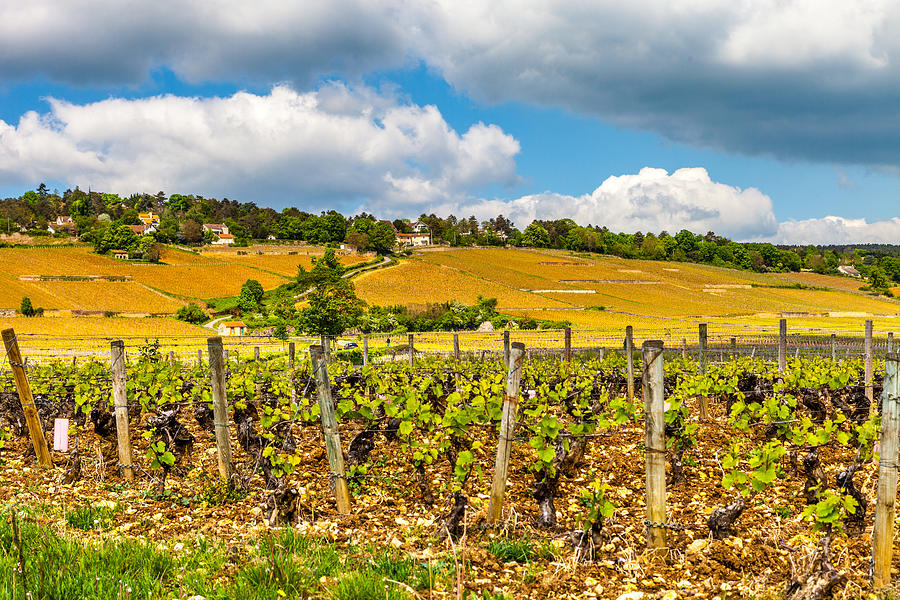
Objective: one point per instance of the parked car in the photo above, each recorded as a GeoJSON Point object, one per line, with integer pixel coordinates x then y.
{"type": "Point", "coordinates": [347, 344]}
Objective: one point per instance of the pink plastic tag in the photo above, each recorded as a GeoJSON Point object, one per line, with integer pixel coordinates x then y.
{"type": "Point", "coordinates": [61, 435]}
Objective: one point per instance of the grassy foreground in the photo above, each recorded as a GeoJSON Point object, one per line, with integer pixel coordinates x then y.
{"type": "Point", "coordinates": [36, 559]}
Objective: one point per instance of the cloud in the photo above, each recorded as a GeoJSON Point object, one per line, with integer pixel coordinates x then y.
{"type": "Point", "coordinates": [336, 147]}
{"type": "Point", "coordinates": [111, 42]}
{"type": "Point", "coordinates": [838, 230]}
{"type": "Point", "coordinates": [797, 79]}
{"type": "Point", "coordinates": [650, 201]}
{"type": "Point", "coordinates": [792, 79]}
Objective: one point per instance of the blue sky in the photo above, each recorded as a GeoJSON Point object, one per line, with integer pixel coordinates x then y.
{"type": "Point", "coordinates": [770, 121]}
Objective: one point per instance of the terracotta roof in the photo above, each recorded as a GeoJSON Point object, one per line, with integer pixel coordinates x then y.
{"type": "Point", "coordinates": [233, 324]}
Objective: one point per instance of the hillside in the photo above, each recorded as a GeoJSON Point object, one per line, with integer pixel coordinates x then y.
{"type": "Point", "coordinates": [562, 285]}
{"type": "Point", "coordinates": [49, 276]}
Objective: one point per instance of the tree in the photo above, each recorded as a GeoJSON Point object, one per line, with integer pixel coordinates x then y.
{"type": "Point", "coordinates": [251, 296]}
{"type": "Point", "coordinates": [332, 304]}
{"type": "Point", "coordinates": [535, 236]}
{"type": "Point", "coordinates": [382, 238]}
{"type": "Point", "coordinates": [192, 313]}
{"type": "Point", "coordinates": [192, 232]}
{"type": "Point", "coordinates": [26, 308]}
{"type": "Point", "coordinates": [116, 237]}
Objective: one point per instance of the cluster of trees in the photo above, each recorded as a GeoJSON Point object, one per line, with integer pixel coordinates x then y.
{"type": "Point", "coordinates": [27, 309]}
{"type": "Point", "coordinates": [100, 218]}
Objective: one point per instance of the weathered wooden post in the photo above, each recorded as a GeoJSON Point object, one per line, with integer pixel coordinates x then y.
{"type": "Point", "coordinates": [507, 428]}
{"type": "Point", "coordinates": [120, 402]}
{"type": "Point", "coordinates": [733, 347]}
{"type": "Point", "coordinates": [629, 361]}
{"type": "Point", "coordinates": [292, 352]}
{"type": "Point", "coordinates": [683, 347]}
{"type": "Point", "coordinates": [171, 358]}
{"type": "Point", "coordinates": [506, 349]}
{"type": "Point", "coordinates": [654, 443]}
{"type": "Point", "coordinates": [256, 353]}
{"type": "Point", "coordinates": [26, 399]}
{"type": "Point", "coordinates": [365, 350]}
{"type": "Point", "coordinates": [833, 348]}
{"type": "Point", "coordinates": [885, 508]}
{"type": "Point", "coordinates": [870, 393]}
{"type": "Point", "coordinates": [199, 357]}
{"type": "Point", "coordinates": [456, 346]}
{"type": "Point", "coordinates": [782, 345]}
{"type": "Point", "coordinates": [567, 345]}
{"type": "Point", "coordinates": [890, 342]}
{"type": "Point", "coordinates": [702, 334]}
{"type": "Point", "coordinates": [412, 350]}
{"type": "Point", "coordinates": [330, 429]}
{"type": "Point", "coordinates": [220, 405]}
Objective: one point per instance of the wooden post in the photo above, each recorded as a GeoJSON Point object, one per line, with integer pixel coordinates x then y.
{"type": "Point", "coordinates": [702, 334]}
{"type": "Point", "coordinates": [199, 357]}
{"type": "Point", "coordinates": [507, 427]}
{"type": "Point", "coordinates": [456, 346]}
{"type": "Point", "coordinates": [629, 362]}
{"type": "Point", "coordinates": [172, 358]}
{"type": "Point", "coordinates": [883, 535]}
{"type": "Point", "coordinates": [326, 343]}
{"type": "Point", "coordinates": [412, 350]}
{"type": "Point", "coordinates": [655, 443]}
{"type": "Point", "coordinates": [26, 399]}
{"type": "Point", "coordinates": [291, 355]}
{"type": "Point", "coordinates": [870, 393]}
{"type": "Point", "coordinates": [733, 348]}
{"type": "Point", "coordinates": [782, 345]}
{"type": "Point", "coordinates": [120, 401]}
{"type": "Point", "coordinates": [506, 349]}
{"type": "Point", "coordinates": [256, 353]}
{"type": "Point", "coordinates": [220, 405]}
{"type": "Point", "coordinates": [890, 342]}
{"type": "Point", "coordinates": [567, 346]}
{"type": "Point", "coordinates": [683, 348]}
{"type": "Point", "coordinates": [330, 429]}
{"type": "Point", "coordinates": [833, 348]}
{"type": "Point", "coordinates": [365, 350]}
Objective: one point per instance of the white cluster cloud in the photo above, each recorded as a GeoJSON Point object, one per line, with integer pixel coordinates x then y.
{"type": "Point", "coordinates": [340, 147]}
{"type": "Point", "coordinates": [810, 79]}
{"type": "Point", "coordinates": [650, 201]}
{"type": "Point", "coordinates": [838, 230]}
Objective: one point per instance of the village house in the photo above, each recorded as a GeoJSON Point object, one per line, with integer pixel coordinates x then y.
{"type": "Point", "coordinates": [64, 224]}
{"type": "Point", "coordinates": [149, 219]}
{"type": "Point", "coordinates": [216, 228]}
{"type": "Point", "coordinates": [414, 239]}
{"type": "Point", "coordinates": [223, 239]}
{"type": "Point", "coordinates": [232, 328]}
{"type": "Point", "coordinates": [120, 254]}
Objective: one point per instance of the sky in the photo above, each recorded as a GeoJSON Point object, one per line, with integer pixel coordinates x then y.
{"type": "Point", "coordinates": [764, 120]}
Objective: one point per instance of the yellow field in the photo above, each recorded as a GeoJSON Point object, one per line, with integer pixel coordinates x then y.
{"type": "Point", "coordinates": [418, 282]}
{"type": "Point", "coordinates": [186, 275]}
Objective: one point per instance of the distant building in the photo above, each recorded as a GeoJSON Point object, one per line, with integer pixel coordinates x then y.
{"type": "Point", "coordinates": [149, 219]}
{"type": "Point", "coordinates": [232, 328]}
{"type": "Point", "coordinates": [138, 229]}
{"type": "Point", "coordinates": [223, 239]}
{"type": "Point", "coordinates": [216, 228]}
{"type": "Point", "coordinates": [414, 239]}
{"type": "Point", "coordinates": [120, 254]}
{"type": "Point", "coordinates": [848, 270]}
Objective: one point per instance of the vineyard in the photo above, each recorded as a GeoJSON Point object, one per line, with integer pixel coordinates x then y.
{"type": "Point", "coordinates": [768, 483]}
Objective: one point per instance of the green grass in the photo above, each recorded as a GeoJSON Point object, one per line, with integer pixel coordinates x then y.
{"type": "Point", "coordinates": [519, 550]}
{"type": "Point", "coordinates": [91, 516]}
{"type": "Point", "coordinates": [283, 564]}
